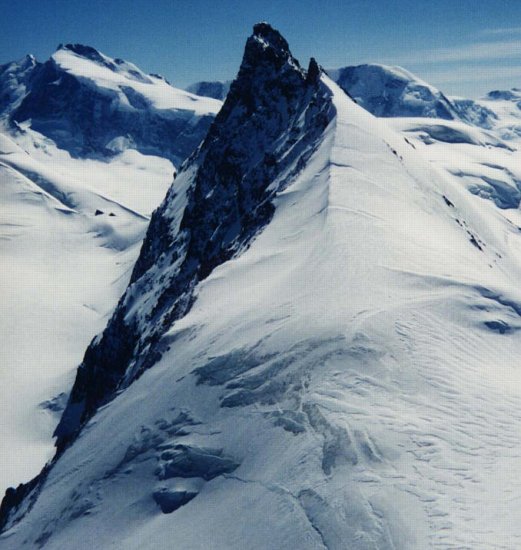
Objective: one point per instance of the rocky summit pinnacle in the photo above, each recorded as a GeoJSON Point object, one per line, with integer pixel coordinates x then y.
{"type": "Point", "coordinates": [270, 35]}
{"type": "Point", "coordinates": [266, 44]}
{"type": "Point", "coordinates": [270, 123]}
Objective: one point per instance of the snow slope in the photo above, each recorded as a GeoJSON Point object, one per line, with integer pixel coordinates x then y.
{"type": "Point", "coordinates": [76, 200]}
{"type": "Point", "coordinates": [63, 270]}
{"type": "Point", "coordinates": [347, 379]}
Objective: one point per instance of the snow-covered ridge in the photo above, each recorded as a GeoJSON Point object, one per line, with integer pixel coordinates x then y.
{"type": "Point", "coordinates": [92, 105]}
{"type": "Point", "coordinates": [274, 114]}
{"type": "Point", "coordinates": [116, 75]}
{"type": "Point", "coordinates": [342, 372]}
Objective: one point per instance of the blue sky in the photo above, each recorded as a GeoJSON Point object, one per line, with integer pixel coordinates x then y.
{"type": "Point", "coordinates": [465, 47]}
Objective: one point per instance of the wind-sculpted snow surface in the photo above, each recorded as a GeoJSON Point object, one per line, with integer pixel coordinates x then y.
{"type": "Point", "coordinates": [92, 105]}
{"type": "Point", "coordinates": [334, 358]}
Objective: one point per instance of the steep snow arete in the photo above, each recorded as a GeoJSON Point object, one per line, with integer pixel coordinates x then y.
{"type": "Point", "coordinates": [317, 348]}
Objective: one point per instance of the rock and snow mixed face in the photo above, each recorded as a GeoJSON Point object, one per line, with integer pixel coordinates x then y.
{"type": "Point", "coordinates": [13, 83]}
{"type": "Point", "coordinates": [215, 89]}
{"type": "Point", "coordinates": [72, 225]}
{"type": "Point", "coordinates": [270, 124]}
{"type": "Point", "coordinates": [90, 105]}
{"type": "Point", "coordinates": [392, 91]}
{"type": "Point", "coordinates": [318, 347]}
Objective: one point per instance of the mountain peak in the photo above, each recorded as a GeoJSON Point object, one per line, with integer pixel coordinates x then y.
{"type": "Point", "coordinates": [270, 124]}
{"type": "Point", "coordinates": [267, 46]}
{"type": "Point", "coordinates": [387, 91]}
{"type": "Point", "coordinates": [270, 36]}
{"type": "Point", "coordinates": [28, 60]}
{"type": "Point", "coordinates": [82, 50]}
{"type": "Point", "coordinates": [507, 95]}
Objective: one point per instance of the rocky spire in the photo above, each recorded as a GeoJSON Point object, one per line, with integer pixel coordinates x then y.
{"type": "Point", "coordinates": [272, 119]}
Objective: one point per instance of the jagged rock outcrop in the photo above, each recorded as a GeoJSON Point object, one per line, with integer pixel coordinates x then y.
{"type": "Point", "coordinates": [14, 78]}
{"type": "Point", "coordinates": [275, 113]}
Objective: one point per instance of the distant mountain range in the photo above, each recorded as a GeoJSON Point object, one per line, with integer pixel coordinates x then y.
{"type": "Point", "coordinates": [388, 91]}
{"type": "Point", "coordinates": [90, 104]}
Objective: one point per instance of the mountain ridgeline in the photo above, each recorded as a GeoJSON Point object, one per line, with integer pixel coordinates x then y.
{"type": "Point", "coordinates": [274, 114]}
{"type": "Point", "coordinates": [92, 105]}
{"type": "Point", "coordinates": [317, 346]}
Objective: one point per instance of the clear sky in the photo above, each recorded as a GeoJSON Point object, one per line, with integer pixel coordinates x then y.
{"type": "Point", "coordinates": [464, 47]}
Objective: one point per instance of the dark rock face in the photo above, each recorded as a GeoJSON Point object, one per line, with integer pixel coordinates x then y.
{"type": "Point", "coordinates": [314, 71]}
{"type": "Point", "coordinates": [271, 122]}
{"type": "Point", "coordinates": [83, 118]}
{"type": "Point", "coordinates": [170, 501]}
{"type": "Point", "coordinates": [18, 500]}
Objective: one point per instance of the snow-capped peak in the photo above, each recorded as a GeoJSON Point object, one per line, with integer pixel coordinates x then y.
{"type": "Point", "coordinates": [114, 73]}
{"type": "Point", "coordinates": [89, 54]}
{"type": "Point", "coordinates": [318, 347]}
{"type": "Point", "coordinates": [392, 91]}
{"type": "Point", "coordinates": [274, 114]}
{"type": "Point", "coordinates": [93, 105]}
